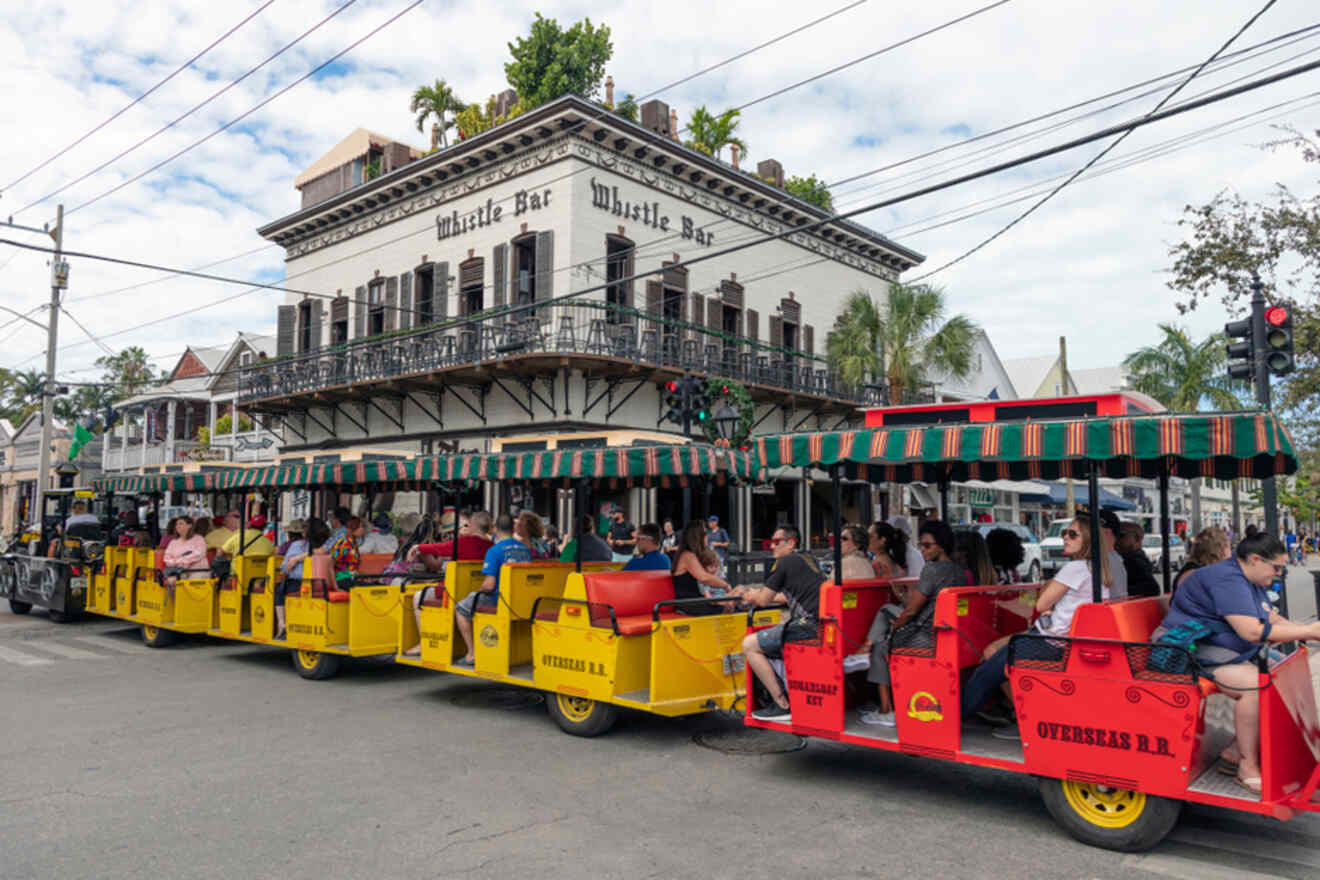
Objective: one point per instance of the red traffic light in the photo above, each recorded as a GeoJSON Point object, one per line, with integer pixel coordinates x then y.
{"type": "Point", "coordinates": [671, 386]}
{"type": "Point", "coordinates": [724, 389]}
{"type": "Point", "coordinates": [1276, 316]}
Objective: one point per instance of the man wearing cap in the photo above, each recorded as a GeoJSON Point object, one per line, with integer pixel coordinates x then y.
{"type": "Point", "coordinates": [256, 543]}
{"type": "Point", "coordinates": [913, 561]}
{"type": "Point", "coordinates": [381, 539]}
{"type": "Point", "coordinates": [1110, 526]}
{"type": "Point", "coordinates": [293, 534]}
{"type": "Point", "coordinates": [222, 530]}
{"type": "Point", "coordinates": [621, 537]}
{"type": "Point", "coordinates": [717, 538]}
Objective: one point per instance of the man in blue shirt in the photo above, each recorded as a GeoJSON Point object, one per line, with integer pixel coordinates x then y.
{"type": "Point", "coordinates": [650, 557]}
{"type": "Point", "coordinates": [717, 538]}
{"type": "Point", "coordinates": [510, 546]}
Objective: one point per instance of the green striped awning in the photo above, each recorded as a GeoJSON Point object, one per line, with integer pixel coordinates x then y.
{"type": "Point", "coordinates": [1221, 445]}
{"type": "Point", "coordinates": [630, 465]}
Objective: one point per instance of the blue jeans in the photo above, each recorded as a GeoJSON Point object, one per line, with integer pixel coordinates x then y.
{"type": "Point", "coordinates": [985, 681]}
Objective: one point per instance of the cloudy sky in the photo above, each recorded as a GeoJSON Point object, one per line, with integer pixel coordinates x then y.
{"type": "Point", "coordinates": [1090, 265]}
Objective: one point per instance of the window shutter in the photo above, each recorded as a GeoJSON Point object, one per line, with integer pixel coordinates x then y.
{"type": "Point", "coordinates": [285, 322]}
{"type": "Point", "coordinates": [500, 267]}
{"type": "Point", "coordinates": [714, 314]}
{"type": "Point", "coordinates": [338, 309]}
{"type": "Point", "coordinates": [698, 316]}
{"type": "Point", "coordinates": [544, 286]}
{"type": "Point", "coordinates": [405, 301]}
{"type": "Point", "coordinates": [391, 302]}
{"type": "Point", "coordinates": [359, 313]}
{"type": "Point", "coordinates": [440, 290]}
{"type": "Point", "coordinates": [629, 270]}
{"type": "Point", "coordinates": [776, 331]}
{"type": "Point", "coordinates": [809, 339]}
{"type": "Point", "coordinates": [317, 311]}
{"type": "Point", "coordinates": [655, 297]}
{"type": "Point", "coordinates": [753, 319]}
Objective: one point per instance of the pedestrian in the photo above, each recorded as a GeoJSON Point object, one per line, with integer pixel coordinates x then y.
{"type": "Point", "coordinates": [717, 539]}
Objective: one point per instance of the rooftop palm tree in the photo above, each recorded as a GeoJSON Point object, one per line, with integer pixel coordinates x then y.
{"type": "Point", "coordinates": [711, 134]}
{"type": "Point", "coordinates": [440, 101]}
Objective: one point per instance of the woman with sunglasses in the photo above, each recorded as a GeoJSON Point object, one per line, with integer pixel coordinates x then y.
{"type": "Point", "coordinates": [1069, 589]}
{"type": "Point", "coordinates": [1230, 598]}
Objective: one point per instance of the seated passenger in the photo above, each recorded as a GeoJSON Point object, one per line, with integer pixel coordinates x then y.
{"type": "Point", "coordinates": [1058, 602]}
{"type": "Point", "coordinates": [221, 529]}
{"type": "Point", "coordinates": [913, 619]}
{"type": "Point", "coordinates": [255, 543]}
{"type": "Point", "coordinates": [794, 580]}
{"type": "Point", "coordinates": [381, 538]}
{"type": "Point", "coordinates": [594, 548]}
{"type": "Point", "coordinates": [511, 547]}
{"type": "Point", "coordinates": [970, 552]}
{"type": "Point", "coordinates": [1230, 598]}
{"type": "Point", "coordinates": [344, 554]}
{"type": "Point", "coordinates": [291, 568]}
{"type": "Point", "coordinates": [888, 549]}
{"type": "Point", "coordinates": [856, 564]}
{"type": "Point", "coordinates": [533, 529]}
{"type": "Point", "coordinates": [692, 580]}
{"type": "Point", "coordinates": [1006, 554]}
{"type": "Point", "coordinates": [79, 516]}
{"type": "Point", "coordinates": [424, 556]}
{"type": "Point", "coordinates": [186, 551]}
{"type": "Point", "coordinates": [650, 557]}
{"type": "Point", "coordinates": [1211, 546]}
{"type": "Point", "coordinates": [1136, 564]}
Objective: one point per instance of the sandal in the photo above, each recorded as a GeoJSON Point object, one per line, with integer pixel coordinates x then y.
{"type": "Point", "coordinates": [1250, 783]}
{"type": "Point", "coordinates": [1226, 767]}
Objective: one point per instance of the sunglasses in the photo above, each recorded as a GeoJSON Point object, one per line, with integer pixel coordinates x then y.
{"type": "Point", "coordinates": [779, 540]}
{"type": "Point", "coordinates": [1071, 533]}
{"type": "Point", "coordinates": [928, 544]}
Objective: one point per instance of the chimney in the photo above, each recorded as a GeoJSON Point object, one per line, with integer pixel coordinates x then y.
{"type": "Point", "coordinates": [673, 124]}
{"type": "Point", "coordinates": [733, 148]}
{"type": "Point", "coordinates": [504, 102]}
{"type": "Point", "coordinates": [1064, 377]}
{"type": "Point", "coordinates": [609, 92]}
{"type": "Point", "coordinates": [655, 117]}
{"type": "Point", "coordinates": [771, 170]}
{"type": "Point", "coordinates": [435, 135]}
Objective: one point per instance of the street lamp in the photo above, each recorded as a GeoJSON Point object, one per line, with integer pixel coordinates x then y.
{"type": "Point", "coordinates": [726, 421]}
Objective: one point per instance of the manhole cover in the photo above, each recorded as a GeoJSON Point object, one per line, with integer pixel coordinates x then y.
{"type": "Point", "coordinates": [499, 698]}
{"type": "Point", "coordinates": [750, 741]}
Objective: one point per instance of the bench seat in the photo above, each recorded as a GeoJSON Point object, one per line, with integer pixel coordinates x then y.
{"type": "Point", "coordinates": [633, 596]}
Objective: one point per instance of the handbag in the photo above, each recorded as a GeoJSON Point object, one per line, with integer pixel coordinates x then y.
{"type": "Point", "coordinates": [1173, 652]}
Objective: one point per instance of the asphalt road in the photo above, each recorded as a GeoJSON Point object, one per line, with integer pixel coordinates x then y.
{"type": "Point", "coordinates": [212, 759]}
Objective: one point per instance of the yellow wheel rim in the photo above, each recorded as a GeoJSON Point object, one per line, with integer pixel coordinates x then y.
{"type": "Point", "coordinates": [1104, 806]}
{"type": "Point", "coordinates": [148, 631]}
{"type": "Point", "coordinates": [576, 709]}
{"type": "Point", "coordinates": [308, 659]}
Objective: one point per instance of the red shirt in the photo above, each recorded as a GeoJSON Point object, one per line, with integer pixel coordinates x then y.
{"type": "Point", "coordinates": [470, 548]}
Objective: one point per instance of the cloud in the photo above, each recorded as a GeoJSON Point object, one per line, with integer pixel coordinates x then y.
{"type": "Point", "coordinates": [1090, 265]}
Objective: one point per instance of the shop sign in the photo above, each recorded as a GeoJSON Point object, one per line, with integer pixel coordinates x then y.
{"type": "Point", "coordinates": [981, 497]}
{"type": "Point", "coordinates": [607, 199]}
{"type": "Point", "coordinates": [455, 223]}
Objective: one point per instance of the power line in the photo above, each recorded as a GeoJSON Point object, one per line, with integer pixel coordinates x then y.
{"type": "Point", "coordinates": [1098, 156]}
{"type": "Point", "coordinates": [1109, 131]}
{"type": "Point", "coordinates": [188, 113]}
{"type": "Point", "coordinates": [180, 69]}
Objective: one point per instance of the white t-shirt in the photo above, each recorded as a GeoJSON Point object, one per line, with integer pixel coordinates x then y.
{"type": "Point", "coordinates": [1119, 588]}
{"type": "Point", "coordinates": [914, 562]}
{"type": "Point", "coordinates": [1076, 575]}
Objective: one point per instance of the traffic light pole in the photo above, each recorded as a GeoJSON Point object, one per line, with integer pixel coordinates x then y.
{"type": "Point", "coordinates": [1261, 373]}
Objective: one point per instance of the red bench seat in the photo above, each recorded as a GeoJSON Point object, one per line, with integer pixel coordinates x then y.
{"type": "Point", "coordinates": [632, 595]}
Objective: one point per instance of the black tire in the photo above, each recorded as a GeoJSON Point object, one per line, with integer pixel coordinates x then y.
{"type": "Point", "coordinates": [61, 616]}
{"type": "Point", "coordinates": [158, 637]}
{"type": "Point", "coordinates": [1033, 573]}
{"type": "Point", "coordinates": [581, 716]}
{"type": "Point", "coordinates": [1110, 818]}
{"type": "Point", "coordinates": [19, 607]}
{"type": "Point", "coordinates": [316, 665]}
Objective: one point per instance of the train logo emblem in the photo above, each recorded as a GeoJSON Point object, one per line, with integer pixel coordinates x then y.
{"type": "Point", "coordinates": [924, 707]}
{"type": "Point", "coordinates": [489, 637]}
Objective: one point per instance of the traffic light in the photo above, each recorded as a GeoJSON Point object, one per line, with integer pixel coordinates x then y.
{"type": "Point", "coordinates": [673, 402]}
{"type": "Point", "coordinates": [1279, 340]}
{"type": "Point", "coordinates": [1241, 354]}
{"type": "Point", "coordinates": [698, 399]}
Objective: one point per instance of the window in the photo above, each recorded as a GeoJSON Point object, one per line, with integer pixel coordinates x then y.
{"type": "Point", "coordinates": [618, 265]}
{"type": "Point", "coordinates": [425, 296]}
{"type": "Point", "coordinates": [729, 321]}
{"type": "Point", "coordinates": [376, 308]}
{"type": "Point", "coordinates": [245, 359]}
{"type": "Point", "coordinates": [524, 270]}
{"type": "Point", "coordinates": [790, 336]}
{"type": "Point", "coordinates": [471, 286]}
{"type": "Point", "coordinates": [305, 325]}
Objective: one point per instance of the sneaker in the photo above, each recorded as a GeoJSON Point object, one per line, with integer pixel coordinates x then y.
{"type": "Point", "coordinates": [995, 716]}
{"type": "Point", "coordinates": [1011, 733]}
{"type": "Point", "coordinates": [465, 662]}
{"type": "Point", "coordinates": [883, 719]}
{"type": "Point", "coordinates": [773, 712]}
{"type": "Point", "coordinates": [857, 662]}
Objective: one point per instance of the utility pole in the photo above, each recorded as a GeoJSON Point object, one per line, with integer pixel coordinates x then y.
{"type": "Point", "coordinates": [59, 279]}
{"type": "Point", "coordinates": [1261, 376]}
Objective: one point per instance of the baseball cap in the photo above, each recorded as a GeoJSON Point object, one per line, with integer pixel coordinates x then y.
{"type": "Point", "coordinates": [1109, 520]}
{"type": "Point", "coordinates": [257, 522]}
{"type": "Point", "coordinates": [712, 518]}
{"type": "Point", "coordinates": [382, 521]}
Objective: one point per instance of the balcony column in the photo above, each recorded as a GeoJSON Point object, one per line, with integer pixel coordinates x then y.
{"type": "Point", "coordinates": [803, 512]}
{"type": "Point", "coordinates": [170, 422]}
{"type": "Point", "coordinates": [107, 434]}
{"type": "Point", "coordinates": [123, 441]}
{"type": "Point", "coordinates": [233, 421]}
{"type": "Point", "coordinates": [143, 457]}
{"type": "Point", "coordinates": [210, 416]}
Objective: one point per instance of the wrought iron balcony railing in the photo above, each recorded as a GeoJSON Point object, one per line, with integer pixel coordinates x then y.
{"type": "Point", "coordinates": [584, 329]}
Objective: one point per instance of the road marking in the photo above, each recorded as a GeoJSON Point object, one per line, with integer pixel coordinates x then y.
{"type": "Point", "coordinates": [1190, 869]}
{"type": "Point", "coordinates": [111, 643]}
{"type": "Point", "coordinates": [67, 651]}
{"type": "Point", "coordinates": [1251, 846]}
{"type": "Point", "coordinates": [12, 656]}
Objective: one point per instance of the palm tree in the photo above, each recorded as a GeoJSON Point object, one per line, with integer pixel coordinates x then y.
{"type": "Point", "coordinates": [25, 390]}
{"type": "Point", "coordinates": [711, 134]}
{"type": "Point", "coordinates": [438, 100]}
{"type": "Point", "coordinates": [1183, 375]}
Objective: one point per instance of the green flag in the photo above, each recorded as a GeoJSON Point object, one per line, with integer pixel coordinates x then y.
{"type": "Point", "coordinates": [81, 436]}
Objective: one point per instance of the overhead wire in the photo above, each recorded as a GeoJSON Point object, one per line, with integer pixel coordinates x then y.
{"type": "Point", "coordinates": [140, 98]}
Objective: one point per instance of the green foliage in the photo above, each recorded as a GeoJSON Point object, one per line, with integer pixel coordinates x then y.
{"type": "Point", "coordinates": [810, 190]}
{"type": "Point", "coordinates": [1182, 374]}
{"type": "Point", "coordinates": [439, 101]}
{"type": "Point", "coordinates": [21, 392]}
{"type": "Point", "coordinates": [741, 402]}
{"type": "Point", "coordinates": [711, 134]}
{"type": "Point", "coordinates": [475, 118]}
{"type": "Point", "coordinates": [1229, 238]}
{"type": "Point", "coordinates": [905, 340]}
{"type": "Point", "coordinates": [551, 62]}
{"type": "Point", "coordinates": [129, 372]}
{"type": "Point", "coordinates": [223, 425]}
{"type": "Point", "coordinates": [85, 404]}
{"type": "Point", "coordinates": [371, 171]}
{"type": "Point", "coordinates": [628, 108]}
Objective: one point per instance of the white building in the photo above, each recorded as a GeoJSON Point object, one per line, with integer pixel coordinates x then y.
{"type": "Point", "coordinates": [444, 324]}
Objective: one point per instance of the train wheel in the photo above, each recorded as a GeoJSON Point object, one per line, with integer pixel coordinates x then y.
{"type": "Point", "coordinates": [19, 607]}
{"type": "Point", "coordinates": [316, 665]}
{"type": "Point", "coordinates": [1112, 818]}
{"type": "Point", "coordinates": [581, 716]}
{"type": "Point", "coordinates": [156, 637]}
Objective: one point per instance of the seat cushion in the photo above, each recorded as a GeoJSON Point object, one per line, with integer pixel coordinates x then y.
{"type": "Point", "coordinates": [642, 624]}
{"type": "Point", "coordinates": [338, 596]}
{"type": "Point", "coordinates": [629, 593]}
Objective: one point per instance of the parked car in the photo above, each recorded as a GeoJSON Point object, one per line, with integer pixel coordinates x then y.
{"type": "Point", "coordinates": [1051, 548]}
{"type": "Point", "coordinates": [1032, 567]}
{"type": "Point", "coordinates": [1152, 546]}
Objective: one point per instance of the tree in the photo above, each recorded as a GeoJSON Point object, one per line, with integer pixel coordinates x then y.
{"type": "Point", "coordinates": [1229, 238]}
{"type": "Point", "coordinates": [128, 372]}
{"type": "Point", "coordinates": [475, 118]}
{"type": "Point", "coordinates": [1183, 375]}
{"type": "Point", "coordinates": [711, 134]}
{"type": "Point", "coordinates": [905, 340]}
{"type": "Point", "coordinates": [439, 101]}
{"type": "Point", "coordinates": [85, 404]}
{"type": "Point", "coordinates": [628, 107]}
{"type": "Point", "coordinates": [551, 62]}
{"type": "Point", "coordinates": [811, 190]}
{"type": "Point", "coordinates": [23, 396]}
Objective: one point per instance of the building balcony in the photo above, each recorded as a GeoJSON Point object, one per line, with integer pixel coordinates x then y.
{"type": "Point", "coordinates": [595, 336]}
